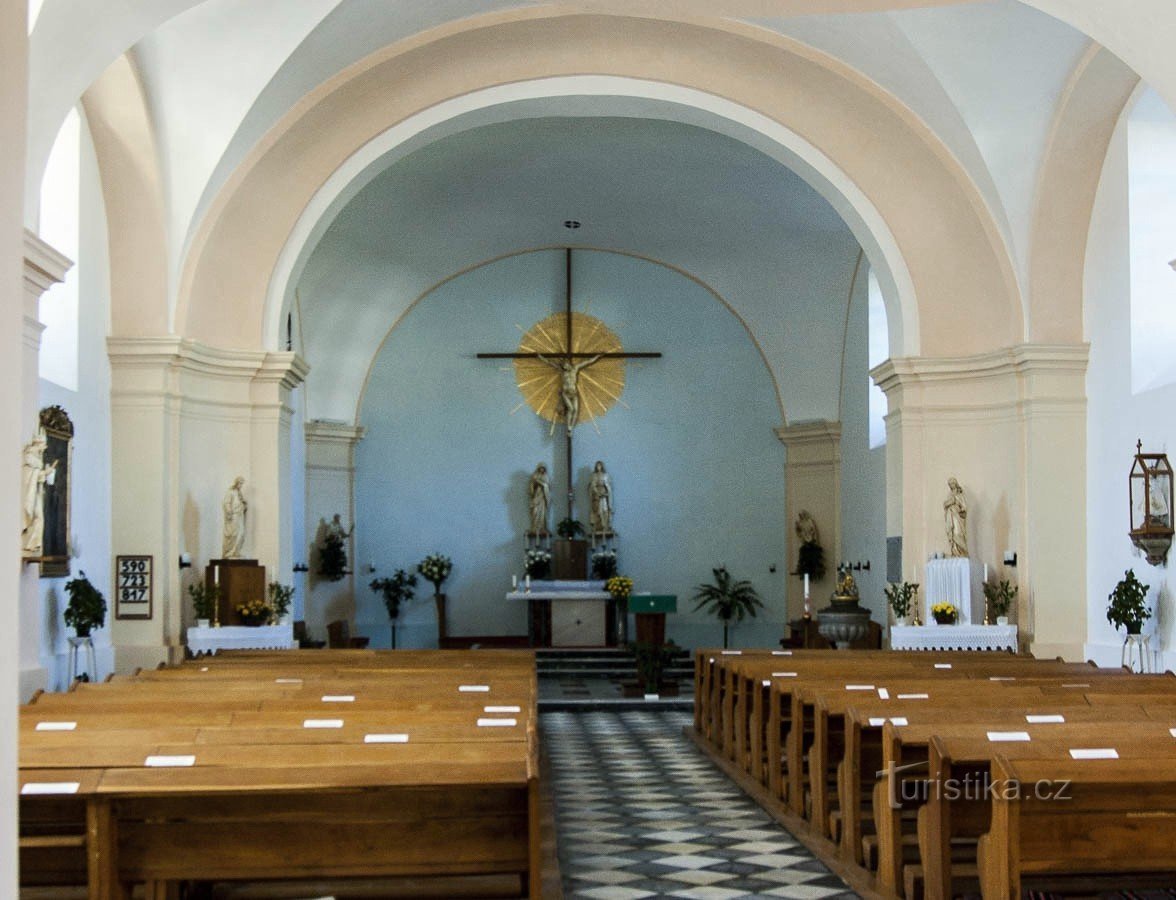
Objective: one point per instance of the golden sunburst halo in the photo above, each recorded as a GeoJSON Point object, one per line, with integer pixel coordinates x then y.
{"type": "Point", "coordinates": [600, 384]}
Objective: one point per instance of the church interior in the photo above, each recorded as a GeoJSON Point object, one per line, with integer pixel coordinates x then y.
{"type": "Point", "coordinates": [423, 320]}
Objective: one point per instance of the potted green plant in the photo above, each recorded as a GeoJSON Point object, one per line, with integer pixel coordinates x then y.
{"type": "Point", "coordinates": [538, 563]}
{"type": "Point", "coordinates": [86, 609]}
{"type": "Point", "coordinates": [435, 568]}
{"type": "Point", "coordinates": [569, 528]}
{"type": "Point", "coordinates": [398, 589]}
{"type": "Point", "coordinates": [945, 613]}
{"type": "Point", "coordinates": [1000, 598]}
{"type": "Point", "coordinates": [1126, 604]}
{"type": "Point", "coordinates": [204, 602]}
{"type": "Point", "coordinates": [280, 596]}
{"type": "Point", "coordinates": [727, 599]}
{"type": "Point", "coordinates": [604, 564]}
{"type": "Point", "coordinates": [901, 597]}
{"type": "Point", "coordinates": [651, 661]}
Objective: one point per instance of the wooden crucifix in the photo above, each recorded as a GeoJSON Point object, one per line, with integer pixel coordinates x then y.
{"type": "Point", "coordinates": [569, 363]}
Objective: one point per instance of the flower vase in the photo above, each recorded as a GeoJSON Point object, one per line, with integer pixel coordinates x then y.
{"type": "Point", "coordinates": [202, 623]}
{"type": "Point", "coordinates": [1002, 620]}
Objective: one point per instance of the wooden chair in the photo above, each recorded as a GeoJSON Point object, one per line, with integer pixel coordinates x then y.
{"type": "Point", "coordinates": [303, 637]}
{"type": "Point", "coordinates": [339, 636]}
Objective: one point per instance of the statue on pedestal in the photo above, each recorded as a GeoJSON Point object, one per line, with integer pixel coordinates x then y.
{"type": "Point", "coordinates": [235, 507]}
{"type": "Point", "coordinates": [34, 476]}
{"type": "Point", "coordinates": [600, 500]}
{"type": "Point", "coordinates": [538, 500]}
{"type": "Point", "coordinates": [955, 518]}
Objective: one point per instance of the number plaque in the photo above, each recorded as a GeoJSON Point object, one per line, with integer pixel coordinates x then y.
{"type": "Point", "coordinates": [132, 587]}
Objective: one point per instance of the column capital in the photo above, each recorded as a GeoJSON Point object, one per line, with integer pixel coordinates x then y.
{"type": "Point", "coordinates": [811, 443]}
{"type": "Point", "coordinates": [331, 445]}
{"type": "Point", "coordinates": [44, 266]}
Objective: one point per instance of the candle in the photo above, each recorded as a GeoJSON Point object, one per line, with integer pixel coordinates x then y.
{"type": "Point", "coordinates": [514, 582]}
{"type": "Point", "coordinates": [806, 586]}
{"type": "Point", "coordinates": [528, 582]}
{"type": "Point", "coordinates": [986, 571]}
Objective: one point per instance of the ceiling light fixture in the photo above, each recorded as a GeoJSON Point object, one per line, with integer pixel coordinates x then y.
{"type": "Point", "coordinates": [573, 224]}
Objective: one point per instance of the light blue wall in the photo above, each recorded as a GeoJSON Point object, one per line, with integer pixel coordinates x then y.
{"type": "Point", "coordinates": [697, 472]}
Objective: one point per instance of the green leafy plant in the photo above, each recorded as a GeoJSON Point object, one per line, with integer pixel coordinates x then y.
{"type": "Point", "coordinates": [901, 597]}
{"type": "Point", "coordinates": [204, 599]}
{"type": "Point", "coordinates": [1000, 596]}
{"type": "Point", "coordinates": [569, 528]}
{"type": "Point", "coordinates": [1127, 604]}
{"type": "Point", "coordinates": [86, 609]}
{"type": "Point", "coordinates": [811, 560]}
{"type": "Point", "coordinates": [538, 564]}
{"type": "Point", "coordinates": [604, 564]}
{"type": "Point", "coordinates": [396, 590]}
{"type": "Point", "coordinates": [435, 568]}
{"type": "Point", "coordinates": [728, 600]}
{"type": "Point", "coordinates": [651, 661]}
{"type": "Point", "coordinates": [332, 562]}
{"type": "Point", "coordinates": [280, 596]}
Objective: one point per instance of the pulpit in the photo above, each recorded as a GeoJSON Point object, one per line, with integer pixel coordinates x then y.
{"type": "Point", "coordinates": [649, 616]}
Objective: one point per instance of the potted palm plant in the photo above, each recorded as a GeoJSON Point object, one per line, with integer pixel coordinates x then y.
{"type": "Point", "coordinates": [1126, 604]}
{"type": "Point", "coordinates": [86, 609]}
{"type": "Point", "coordinates": [727, 599]}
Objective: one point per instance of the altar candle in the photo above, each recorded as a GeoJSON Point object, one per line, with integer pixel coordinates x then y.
{"type": "Point", "coordinates": [806, 586]}
{"type": "Point", "coordinates": [514, 582]}
{"type": "Point", "coordinates": [986, 571]}
{"type": "Point", "coordinates": [528, 582]}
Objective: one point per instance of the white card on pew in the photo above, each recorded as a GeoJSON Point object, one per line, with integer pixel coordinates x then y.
{"type": "Point", "coordinates": [1075, 685]}
{"type": "Point", "coordinates": [501, 709]}
{"type": "Point", "coordinates": [943, 665]}
{"type": "Point", "coordinates": [474, 688]}
{"type": "Point", "coordinates": [1172, 731]}
{"type": "Point", "coordinates": [287, 681]}
{"type": "Point", "coordinates": [653, 696]}
{"type": "Point", "coordinates": [51, 787]}
{"type": "Point", "coordinates": [385, 738]}
{"type": "Point", "coordinates": [165, 762]}
{"type": "Point", "coordinates": [732, 652]}
{"type": "Point", "coordinates": [997, 736]}
{"type": "Point", "coordinates": [204, 668]}
{"type": "Point", "coordinates": [883, 694]}
{"type": "Point", "coordinates": [497, 723]}
{"type": "Point", "coordinates": [322, 723]}
{"type": "Point", "coordinates": [859, 687]}
{"type": "Point", "coordinates": [1001, 678]}
{"type": "Point", "coordinates": [781, 653]}
{"type": "Point", "coordinates": [56, 726]}
{"type": "Point", "coordinates": [899, 720]}
{"type": "Point", "coordinates": [783, 674]}
{"type": "Point", "coordinates": [338, 698]}
{"type": "Point", "coordinates": [914, 696]}
{"type": "Point", "coordinates": [879, 721]}
{"type": "Point", "coordinates": [1095, 753]}
{"type": "Point", "coordinates": [768, 682]}
{"type": "Point", "coordinates": [1045, 720]}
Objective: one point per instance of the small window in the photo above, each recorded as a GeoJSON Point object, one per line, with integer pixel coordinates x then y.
{"type": "Point", "coordinates": [60, 228]}
{"type": "Point", "coordinates": [879, 351]}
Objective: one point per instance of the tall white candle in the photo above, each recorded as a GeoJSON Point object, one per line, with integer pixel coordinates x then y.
{"type": "Point", "coordinates": [514, 582]}
{"type": "Point", "coordinates": [528, 582]}
{"type": "Point", "coordinates": [986, 571]}
{"type": "Point", "coordinates": [806, 586]}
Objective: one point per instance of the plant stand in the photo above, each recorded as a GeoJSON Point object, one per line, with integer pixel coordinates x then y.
{"type": "Point", "coordinates": [1137, 651]}
{"type": "Point", "coordinates": [85, 646]}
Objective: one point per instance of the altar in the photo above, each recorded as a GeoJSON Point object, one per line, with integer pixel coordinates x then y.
{"type": "Point", "coordinates": [954, 580]}
{"type": "Point", "coordinates": [953, 637]}
{"type": "Point", "coordinates": [570, 614]}
{"type": "Point", "coordinates": [240, 637]}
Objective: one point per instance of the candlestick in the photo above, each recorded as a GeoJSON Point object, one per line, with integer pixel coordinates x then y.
{"type": "Point", "coordinates": [514, 582]}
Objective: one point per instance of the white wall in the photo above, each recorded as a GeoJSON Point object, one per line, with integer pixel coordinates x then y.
{"type": "Point", "coordinates": [89, 410]}
{"type": "Point", "coordinates": [1118, 417]}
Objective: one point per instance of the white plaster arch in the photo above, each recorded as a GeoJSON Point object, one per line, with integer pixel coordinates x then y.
{"type": "Point", "coordinates": [654, 100]}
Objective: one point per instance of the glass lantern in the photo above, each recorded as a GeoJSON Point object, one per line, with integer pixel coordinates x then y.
{"type": "Point", "coordinates": [1150, 490]}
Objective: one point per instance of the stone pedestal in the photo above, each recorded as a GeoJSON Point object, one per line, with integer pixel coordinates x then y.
{"type": "Point", "coordinates": [240, 580]}
{"type": "Point", "coordinates": [842, 622]}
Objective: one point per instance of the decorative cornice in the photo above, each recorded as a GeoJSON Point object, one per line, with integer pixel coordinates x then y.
{"type": "Point", "coordinates": [171, 351]}
{"type": "Point", "coordinates": [815, 432]}
{"type": "Point", "coordinates": [44, 266]}
{"type": "Point", "coordinates": [1023, 358]}
{"type": "Point", "coordinates": [321, 432]}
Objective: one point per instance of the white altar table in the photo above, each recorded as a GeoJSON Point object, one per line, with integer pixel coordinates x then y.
{"type": "Point", "coordinates": [567, 613]}
{"type": "Point", "coordinates": [241, 637]}
{"type": "Point", "coordinates": [953, 637]}
{"type": "Point", "coordinates": [954, 580]}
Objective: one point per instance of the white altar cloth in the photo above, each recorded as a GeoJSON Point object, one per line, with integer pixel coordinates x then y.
{"type": "Point", "coordinates": [953, 580]}
{"type": "Point", "coordinates": [953, 637]}
{"type": "Point", "coordinates": [241, 637]}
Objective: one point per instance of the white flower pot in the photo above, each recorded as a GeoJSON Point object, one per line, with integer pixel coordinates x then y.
{"type": "Point", "coordinates": [1002, 620]}
{"type": "Point", "coordinates": [202, 623]}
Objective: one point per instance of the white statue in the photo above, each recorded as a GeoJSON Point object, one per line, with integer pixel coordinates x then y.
{"type": "Point", "coordinates": [34, 476]}
{"type": "Point", "coordinates": [955, 519]}
{"type": "Point", "coordinates": [235, 508]}
{"type": "Point", "coordinates": [600, 500]}
{"type": "Point", "coordinates": [569, 390]}
{"type": "Point", "coordinates": [538, 499]}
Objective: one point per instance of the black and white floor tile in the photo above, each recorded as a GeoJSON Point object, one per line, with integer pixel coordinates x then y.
{"type": "Point", "coordinates": [641, 813]}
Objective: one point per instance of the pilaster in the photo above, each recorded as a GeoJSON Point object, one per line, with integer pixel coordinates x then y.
{"type": "Point", "coordinates": [330, 490]}
{"type": "Point", "coordinates": [812, 481]}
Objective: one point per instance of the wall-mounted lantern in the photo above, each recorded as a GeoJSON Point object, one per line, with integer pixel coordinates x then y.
{"type": "Point", "coordinates": [1150, 489]}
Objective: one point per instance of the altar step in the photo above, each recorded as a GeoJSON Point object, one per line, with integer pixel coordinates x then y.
{"type": "Point", "coordinates": [594, 678]}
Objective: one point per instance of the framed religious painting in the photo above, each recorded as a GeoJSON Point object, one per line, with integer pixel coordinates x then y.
{"type": "Point", "coordinates": [133, 587]}
{"type": "Point", "coordinates": [58, 458]}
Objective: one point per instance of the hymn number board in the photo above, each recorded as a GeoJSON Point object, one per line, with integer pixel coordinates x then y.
{"type": "Point", "coordinates": [132, 590]}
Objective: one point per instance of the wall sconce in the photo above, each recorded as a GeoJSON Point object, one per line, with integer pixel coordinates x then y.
{"type": "Point", "coordinates": [301, 567]}
{"type": "Point", "coordinates": [1150, 492]}
{"type": "Point", "coordinates": [185, 560]}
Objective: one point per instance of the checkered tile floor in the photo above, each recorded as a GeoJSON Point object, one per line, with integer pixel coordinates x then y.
{"type": "Point", "coordinates": [641, 813]}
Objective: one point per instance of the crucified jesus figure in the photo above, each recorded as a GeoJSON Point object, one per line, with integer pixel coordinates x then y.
{"type": "Point", "coordinates": [569, 391]}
